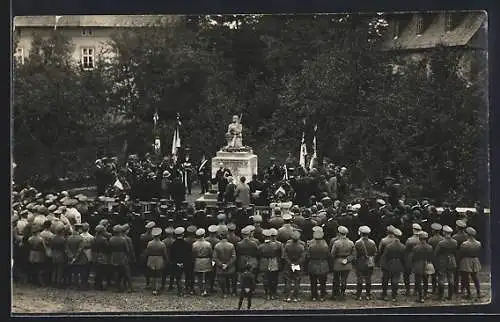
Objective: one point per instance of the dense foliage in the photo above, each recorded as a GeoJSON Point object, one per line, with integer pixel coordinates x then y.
{"type": "Point", "coordinates": [426, 124]}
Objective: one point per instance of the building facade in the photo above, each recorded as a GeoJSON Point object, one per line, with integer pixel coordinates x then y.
{"type": "Point", "coordinates": [90, 35]}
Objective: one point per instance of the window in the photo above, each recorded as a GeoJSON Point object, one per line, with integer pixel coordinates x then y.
{"type": "Point", "coordinates": [86, 32]}
{"type": "Point", "coordinates": [448, 22]}
{"type": "Point", "coordinates": [88, 58]}
{"type": "Point", "coordinates": [19, 55]}
{"type": "Point", "coordinates": [395, 30]}
{"type": "Point", "coordinates": [420, 24]}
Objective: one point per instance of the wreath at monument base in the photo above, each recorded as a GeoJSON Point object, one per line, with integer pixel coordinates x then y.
{"type": "Point", "coordinates": [240, 149]}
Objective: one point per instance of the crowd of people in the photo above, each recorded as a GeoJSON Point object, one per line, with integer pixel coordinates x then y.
{"type": "Point", "coordinates": [310, 228]}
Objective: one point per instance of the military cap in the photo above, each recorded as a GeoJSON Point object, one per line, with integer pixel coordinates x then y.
{"type": "Point", "coordinates": [317, 228]}
{"type": "Point", "coordinates": [117, 228]}
{"type": "Point", "coordinates": [470, 231]}
{"type": "Point", "coordinates": [222, 229]}
{"type": "Point", "coordinates": [101, 198]}
{"type": "Point", "coordinates": [169, 230]}
{"type": "Point", "coordinates": [388, 178]}
{"type": "Point", "coordinates": [231, 226]}
{"type": "Point", "coordinates": [221, 216]}
{"type": "Point", "coordinates": [48, 202]}
{"type": "Point", "coordinates": [381, 202]}
{"type": "Point", "coordinates": [287, 216]}
{"type": "Point", "coordinates": [423, 235]}
{"type": "Point", "coordinates": [460, 223]}
{"type": "Point", "coordinates": [364, 230]}
{"type": "Point", "coordinates": [318, 234]}
{"type": "Point", "coordinates": [15, 204]}
{"type": "Point", "coordinates": [416, 226]}
{"type": "Point", "coordinates": [212, 228]}
{"type": "Point", "coordinates": [52, 208]}
{"type": "Point", "coordinates": [274, 232]}
{"type": "Point", "coordinates": [179, 230]}
{"type": "Point", "coordinates": [150, 225]}
{"type": "Point", "coordinates": [447, 229]}
{"type": "Point", "coordinates": [200, 232]}
{"type": "Point", "coordinates": [251, 228]}
{"type": "Point", "coordinates": [30, 206]}
{"type": "Point", "coordinates": [58, 211]}
{"type": "Point", "coordinates": [99, 229]}
{"type": "Point", "coordinates": [397, 232]}
{"type": "Point", "coordinates": [295, 235]}
{"type": "Point", "coordinates": [82, 198]}
{"type": "Point", "coordinates": [245, 231]}
{"type": "Point", "coordinates": [436, 226]}
{"type": "Point", "coordinates": [343, 230]}
{"type": "Point", "coordinates": [191, 229]}
{"type": "Point", "coordinates": [266, 232]}
{"type": "Point", "coordinates": [163, 207]}
{"type": "Point", "coordinates": [156, 231]}
{"type": "Point", "coordinates": [257, 218]}
{"type": "Point", "coordinates": [103, 222]}
{"type": "Point", "coordinates": [126, 227]}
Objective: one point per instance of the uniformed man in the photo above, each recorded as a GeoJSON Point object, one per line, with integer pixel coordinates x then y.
{"type": "Point", "coordinates": [87, 242]}
{"type": "Point", "coordinates": [76, 257]}
{"type": "Point", "coordinates": [120, 254]}
{"type": "Point", "coordinates": [36, 256]}
{"type": "Point", "coordinates": [169, 268]}
{"type": "Point", "coordinates": [58, 249]}
{"type": "Point", "coordinates": [445, 262]}
{"type": "Point", "coordinates": [247, 251]}
{"type": "Point", "coordinates": [47, 237]}
{"type": "Point", "coordinates": [286, 231]}
{"type": "Point", "coordinates": [187, 173]}
{"type": "Point", "coordinates": [410, 242]}
{"type": "Point", "coordinates": [318, 264]}
{"type": "Point", "coordinates": [307, 225]}
{"type": "Point", "coordinates": [231, 236]}
{"type": "Point", "coordinates": [101, 252]}
{"type": "Point", "coordinates": [181, 255]}
{"type": "Point", "coordinates": [422, 259]}
{"type": "Point", "coordinates": [131, 256]}
{"type": "Point", "coordinates": [202, 254]}
{"type": "Point", "coordinates": [392, 264]}
{"type": "Point", "coordinates": [225, 258]}
{"type": "Point", "coordinates": [460, 236]}
{"type": "Point", "coordinates": [364, 263]}
{"type": "Point", "coordinates": [146, 237]}
{"type": "Point", "coordinates": [270, 257]}
{"type": "Point", "coordinates": [434, 241]}
{"type": "Point", "coordinates": [470, 266]}
{"type": "Point", "coordinates": [257, 233]}
{"type": "Point", "coordinates": [342, 254]}
{"type": "Point", "coordinates": [293, 257]}
{"type": "Point", "coordinates": [188, 267]}
{"type": "Point", "coordinates": [156, 257]}
{"type": "Point", "coordinates": [204, 174]}
{"type": "Point", "coordinates": [251, 230]}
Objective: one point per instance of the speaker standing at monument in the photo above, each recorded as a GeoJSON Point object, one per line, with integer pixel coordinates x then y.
{"type": "Point", "coordinates": [204, 174]}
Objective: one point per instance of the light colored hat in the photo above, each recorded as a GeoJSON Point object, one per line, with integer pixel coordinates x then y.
{"type": "Point", "coordinates": [156, 231]}
{"type": "Point", "coordinates": [356, 207]}
{"type": "Point", "coordinates": [245, 231]}
{"type": "Point", "coordinates": [318, 234]}
{"type": "Point", "coordinates": [257, 218]}
{"type": "Point", "coordinates": [179, 230]}
{"type": "Point", "coordinates": [222, 229]}
{"type": "Point", "coordinates": [436, 226]}
{"type": "Point", "coordinates": [221, 216]}
{"type": "Point", "coordinates": [416, 227]}
{"type": "Point", "coordinates": [52, 208]}
{"type": "Point", "coordinates": [100, 229]}
{"type": "Point", "coordinates": [317, 228]}
{"type": "Point", "coordinates": [117, 228]}
{"type": "Point", "coordinates": [423, 235]}
{"type": "Point", "coordinates": [266, 232]}
{"type": "Point", "coordinates": [381, 202]}
{"type": "Point", "coordinates": [251, 228]}
{"type": "Point", "coordinates": [460, 223]}
{"type": "Point", "coordinates": [343, 230]}
{"type": "Point", "coordinates": [470, 231]}
{"type": "Point", "coordinates": [231, 226]}
{"type": "Point", "coordinates": [212, 228]}
{"type": "Point", "coordinates": [447, 229]}
{"type": "Point", "coordinates": [364, 230]}
{"type": "Point", "coordinates": [287, 216]}
{"type": "Point", "coordinates": [397, 232]}
{"type": "Point", "coordinates": [191, 229]}
{"type": "Point", "coordinates": [169, 230]}
{"type": "Point", "coordinates": [200, 232]}
{"type": "Point", "coordinates": [274, 232]}
{"type": "Point", "coordinates": [150, 225]}
{"type": "Point", "coordinates": [296, 235]}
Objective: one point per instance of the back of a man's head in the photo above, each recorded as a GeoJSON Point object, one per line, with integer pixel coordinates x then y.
{"type": "Point", "coordinates": [243, 179]}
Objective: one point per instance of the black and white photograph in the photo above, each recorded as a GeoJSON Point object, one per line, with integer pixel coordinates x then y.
{"type": "Point", "coordinates": [249, 162]}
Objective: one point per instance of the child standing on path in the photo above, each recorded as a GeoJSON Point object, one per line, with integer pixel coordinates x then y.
{"type": "Point", "coordinates": [247, 283]}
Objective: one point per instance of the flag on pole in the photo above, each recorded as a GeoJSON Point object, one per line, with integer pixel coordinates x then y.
{"type": "Point", "coordinates": [118, 184]}
{"type": "Point", "coordinates": [303, 150]}
{"type": "Point", "coordinates": [57, 20]}
{"type": "Point", "coordinates": [176, 141]}
{"type": "Point", "coordinates": [315, 155]}
{"type": "Point", "coordinates": [285, 176]}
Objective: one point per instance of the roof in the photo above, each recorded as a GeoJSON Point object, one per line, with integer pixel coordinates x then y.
{"type": "Point", "coordinates": [435, 35]}
{"type": "Point", "coordinates": [94, 20]}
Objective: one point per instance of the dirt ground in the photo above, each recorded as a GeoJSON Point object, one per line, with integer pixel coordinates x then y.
{"type": "Point", "coordinates": [29, 299]}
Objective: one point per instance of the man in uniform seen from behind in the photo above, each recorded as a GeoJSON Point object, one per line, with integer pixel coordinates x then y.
{"type": "Point", "coordinates": [270, 258]}
{"type": "Point", "coordinates": [225, 258]}
{"type": "Point", "coordinates": [445, 258]}
{"type": "Point", "coordinates": [342, 255]}
{"type": "Point", "coordinates": [294, 257]}
{"type": "Point", "coordinates": [365, 250]}
{"type": "Point", "coordinates": [392, 264]}
{"type": "Point", "coordinates": [318, 261]}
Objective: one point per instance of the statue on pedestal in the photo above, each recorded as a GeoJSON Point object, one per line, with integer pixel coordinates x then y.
{"type": "Point", "coordinates": [234, 135]}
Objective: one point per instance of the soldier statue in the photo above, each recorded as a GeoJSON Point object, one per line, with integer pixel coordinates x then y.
{"type": "Point", "coordinates": [233, 135]}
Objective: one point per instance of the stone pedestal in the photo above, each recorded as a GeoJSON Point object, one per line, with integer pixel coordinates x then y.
{"type": "Point", "coordinates": [241, 164]}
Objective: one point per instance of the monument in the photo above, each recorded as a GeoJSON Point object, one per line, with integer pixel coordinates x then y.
{"type": "Point", "coordinates": [239, 159]}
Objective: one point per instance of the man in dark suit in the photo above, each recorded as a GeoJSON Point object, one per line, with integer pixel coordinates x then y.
{"type": "Point", "coordinates": [221, 177]}
{"type": "Point", "coordinates": [204, 174]}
